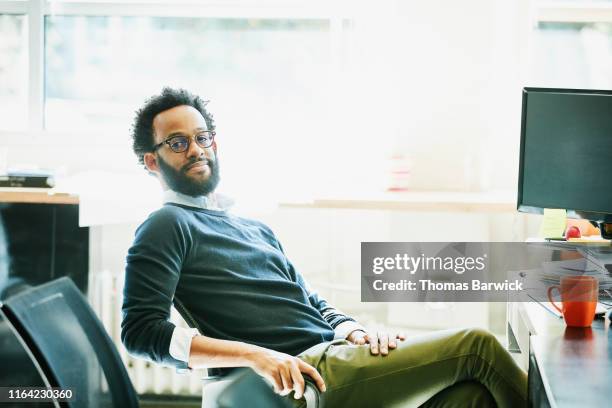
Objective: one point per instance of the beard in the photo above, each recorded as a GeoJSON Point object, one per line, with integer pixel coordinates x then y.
{"type": "Point", "coordinates": [179, 180]}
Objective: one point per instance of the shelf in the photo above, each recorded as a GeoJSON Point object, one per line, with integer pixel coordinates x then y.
{"type": "Point", "coordinates": [496, 202]}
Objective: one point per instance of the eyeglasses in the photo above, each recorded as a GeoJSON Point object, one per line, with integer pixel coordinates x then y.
{"type": "Point", "coordinates": [180, 143]}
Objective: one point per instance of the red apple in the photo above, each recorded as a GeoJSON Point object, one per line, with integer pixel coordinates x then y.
{"type": "Point", "coordinates": [572, 232]}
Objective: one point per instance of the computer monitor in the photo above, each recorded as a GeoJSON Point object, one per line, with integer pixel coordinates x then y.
{"type": "Point", "coordinates": [566, 153]}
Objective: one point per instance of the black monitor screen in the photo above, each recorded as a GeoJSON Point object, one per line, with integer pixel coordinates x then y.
{"type": "Point", "coordinates": [566, 152]}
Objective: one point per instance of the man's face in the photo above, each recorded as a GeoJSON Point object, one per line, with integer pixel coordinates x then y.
{"type": "Point", "coordinates": [194, 172]}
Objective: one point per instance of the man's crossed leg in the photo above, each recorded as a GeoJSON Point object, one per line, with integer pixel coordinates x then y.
{"type": "Point", "coordinates": [449, 368]}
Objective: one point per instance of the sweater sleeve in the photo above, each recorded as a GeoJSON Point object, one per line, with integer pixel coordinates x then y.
{"type": "Point", "coordinates": [330, 314]}
{"type": "Point", "coordinates": [152, 272]}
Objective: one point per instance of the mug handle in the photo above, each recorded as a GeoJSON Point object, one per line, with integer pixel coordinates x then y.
{"type": "Point", "coordinates": [550, 298]}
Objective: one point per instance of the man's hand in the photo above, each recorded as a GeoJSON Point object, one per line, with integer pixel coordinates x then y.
{"type": "Point", "coordinates": [379, 341]}
{"type": "Point", "coordinates": [284, 372]}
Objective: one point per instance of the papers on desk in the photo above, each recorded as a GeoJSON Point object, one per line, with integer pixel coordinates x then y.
{"type": "Point", "coordinates": [537, 281]}
{"type": "Point", "coordinates": [553, 271]}
{"type": "Point", "coordinates": [599, 256]}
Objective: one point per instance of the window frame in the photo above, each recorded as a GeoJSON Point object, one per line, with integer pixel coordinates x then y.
{"type": "Point", "coordinates": [572, 12]}
{"type": "Point", "coordinates": [563, 12]}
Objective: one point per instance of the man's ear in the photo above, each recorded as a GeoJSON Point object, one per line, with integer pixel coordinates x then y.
{"type": "Point", "coordinates": [150, 162]}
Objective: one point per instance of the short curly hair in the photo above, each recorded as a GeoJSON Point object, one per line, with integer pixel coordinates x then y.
{"type": "Point", "coordinates": [142, 128]}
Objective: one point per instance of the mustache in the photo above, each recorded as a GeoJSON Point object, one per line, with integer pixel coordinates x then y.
{"type": "Point", "coordinates": [186, 167]}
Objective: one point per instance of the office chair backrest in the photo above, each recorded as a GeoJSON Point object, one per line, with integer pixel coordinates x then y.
{"type": "Point", "coordinates": [71, 345]}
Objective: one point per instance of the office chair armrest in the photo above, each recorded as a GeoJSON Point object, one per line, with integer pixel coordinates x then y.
{"type": "Point", "coordinates": [214, 385]}
{"type": "Point", "coordinates": [212, 378]}
{"type": "Point", "coordinates": [312, 395]}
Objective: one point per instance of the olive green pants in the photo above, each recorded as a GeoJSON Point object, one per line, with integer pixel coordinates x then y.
{"type": "Point", "coordinates": [449, 368]}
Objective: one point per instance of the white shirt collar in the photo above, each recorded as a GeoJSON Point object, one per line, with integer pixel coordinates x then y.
{"type": "Point", "coordinates": [213, 201]}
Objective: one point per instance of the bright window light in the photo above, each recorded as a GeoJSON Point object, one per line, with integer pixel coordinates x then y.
{"type": "Point", "coordinates": [268, 80]}
{"type": "Point", "coordinates": [572, 55]}
{"type": "Point", "coordinates": [13, 72]}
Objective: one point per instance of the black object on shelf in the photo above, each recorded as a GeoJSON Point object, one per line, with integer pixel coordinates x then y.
{"type": "Point", "coordinates": [29, 180]}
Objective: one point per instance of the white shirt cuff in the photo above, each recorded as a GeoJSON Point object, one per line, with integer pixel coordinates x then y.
{"type": "Point", "coordinates": [345, 328]}
{"type": "Point", "coordinates": [180, 343]}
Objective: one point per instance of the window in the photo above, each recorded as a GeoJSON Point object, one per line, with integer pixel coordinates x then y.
{"type": "Point", "coordinates": [303, 79]}
{"type": "Point", "coordinates": [13, 72]}
{"type": "Point", "coordinates": [252, 71]}
{"type": "Point", "coordinates": [571, 44]}
{"type": "Point", "coordinates": [573, 55]}
{"type": "Point", "coordinates": [237, 63]}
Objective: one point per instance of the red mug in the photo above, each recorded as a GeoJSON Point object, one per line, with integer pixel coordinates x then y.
{"type": "Point", "coordinates": [578, 299]}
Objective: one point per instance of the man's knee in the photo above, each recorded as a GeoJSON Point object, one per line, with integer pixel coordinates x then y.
{"type": "Point", "coordinates": [479, 338]}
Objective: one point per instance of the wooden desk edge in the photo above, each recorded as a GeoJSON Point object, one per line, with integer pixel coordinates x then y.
{"type": "Point", "coordinates": [36, 196]}
{"type": "Point", "coordinates": [405, 206]}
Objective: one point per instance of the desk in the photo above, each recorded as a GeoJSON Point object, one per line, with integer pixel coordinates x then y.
{"type": "Point", "coordinates": [36, 195]}
{"type": "Point", "coordinates": [40, 237]}
{"type": "Point", "coordinates": [568, 367]}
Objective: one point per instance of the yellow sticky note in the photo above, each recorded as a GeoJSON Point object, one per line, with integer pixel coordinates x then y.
{"type": "Point", "coordinates": [553, 223]}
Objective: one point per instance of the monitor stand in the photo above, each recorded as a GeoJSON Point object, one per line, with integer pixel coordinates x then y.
{"type": "Point", "coordinates": [606, 229]}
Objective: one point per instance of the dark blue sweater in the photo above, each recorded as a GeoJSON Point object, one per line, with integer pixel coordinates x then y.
{"type": "Point", "coordinates": [227, 276]}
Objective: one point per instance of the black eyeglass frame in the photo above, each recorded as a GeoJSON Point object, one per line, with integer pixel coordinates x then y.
{"type": "Point", "coordinates": [189, 140]}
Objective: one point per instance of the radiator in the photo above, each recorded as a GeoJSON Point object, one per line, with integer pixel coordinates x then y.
{"type": "Point", "coordinates": [106, 297]}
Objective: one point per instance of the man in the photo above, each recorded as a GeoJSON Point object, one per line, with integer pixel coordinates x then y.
{"type": "Point", "coordinates": [229, 278]}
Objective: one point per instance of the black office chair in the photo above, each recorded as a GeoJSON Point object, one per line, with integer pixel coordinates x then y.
{"type": "Point", "coordinates": [70, 345]}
